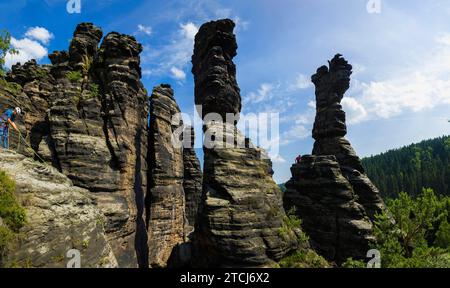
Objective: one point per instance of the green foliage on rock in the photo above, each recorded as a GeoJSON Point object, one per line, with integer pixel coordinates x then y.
{"type": "Point", "coordinates": [12, 214]}
{"type": "Point", "coordinates": [95, 91]}
{"type": "Point", "coordinates": [86, 64]}
{"type": "Point", "coordinates": [11, 87]}
{"type": "Point", "coordinates": [304, 258]}
{"type": "Point", "coordinates": [415, 233]}
{"type": "Point", "coordinates": [292, 227]}
{"type": "Point", "coordinates": [74, 76]}
{"type": "Point", "coordinates": [6, 237]}
{"type": "Point", "coordinates": [351, 263]}
{"type": "Point", "coordinates": [41, 73]}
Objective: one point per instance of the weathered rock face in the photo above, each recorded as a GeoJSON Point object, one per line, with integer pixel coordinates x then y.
{"type": "Point", "coordinates": [216, 89]}
{"type": "Point", "coordinates": [84, 44]}
{"type": "Point", "coordinates": [241, 211]}
{"type": "Point", "coordinates": [325, 201]}
{"type": "Point", "coordinates": [192, 182]}
{"type": "Point", "coordinates": [329, 190]}
{"type": "Point", "coordinates": [165, 200]}
{"type": "Point", "coordinates": [87, 115]}
{"type": "Point", "coordinates": [329, 131]}
{"type": "Point", "coordinates": [60, 217]}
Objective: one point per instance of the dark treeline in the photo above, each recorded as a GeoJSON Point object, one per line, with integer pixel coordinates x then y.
{"type": "Point", "coordinates": [411, 168]}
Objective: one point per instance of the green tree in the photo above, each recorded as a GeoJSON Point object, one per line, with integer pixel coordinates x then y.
{"type": "Point", "coordinates": [443, 235]}
{"type": "Point", "coordinates": [5, 48]}
{"type": "Point", "coordinates": [402, 235]}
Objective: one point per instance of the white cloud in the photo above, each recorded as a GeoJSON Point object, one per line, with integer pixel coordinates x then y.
{"type": "Point", "coordinates": [422, 84]}
{"type": "Point", "coordinates": [145, 29]}
{"type": "Point", "coordinates": [177, 73]}
{"type": "Point", "coordinates": [40, 34]}
{"type": "Point", "coordinates": [189, 30]}
{"type": "Point", "coordinates": [355, 112]}
{"type": "Point", "coordinates": [294, 133]}
{"type": "Point", "coordinates": [312, 104]}
{"type": "Point", "coordinates": [27, 49]}
{"type": "Point", "coordinates": [300, 82]}
{"type": "Point", "coordinates": [277, 158]}
{"type": "Point", "coordinates": [264, 93]}
{"type": "Point", "coordinates": [30, 47]}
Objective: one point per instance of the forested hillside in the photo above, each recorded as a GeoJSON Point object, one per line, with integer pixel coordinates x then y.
{"type": "Point", "coordinates": [411, 168]}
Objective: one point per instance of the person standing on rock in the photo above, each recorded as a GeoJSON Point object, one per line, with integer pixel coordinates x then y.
{"type": "Point", "coordinates": [8, 118]}
{"type": "Point", "coordinates": [298, 159]}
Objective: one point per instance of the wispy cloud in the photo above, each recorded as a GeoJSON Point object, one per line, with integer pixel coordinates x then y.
{"type": "Point", "coordinates": [177, 73]}
{"type": "Point", "coordinates": [300, 82]}
{"type": "Point", "coordinates": [294, 133]}
{"type": "Point", "coordinates": [147, 30]}
{"type": "Point", "coordinates": [171, 59]}
{"type": "Point", "coordinates": [263, 93]}
{"type": "Point", "coordinates": [422, 84]}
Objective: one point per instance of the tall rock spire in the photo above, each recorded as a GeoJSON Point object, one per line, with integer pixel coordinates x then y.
{"type": "Point", "coordinates": [330, 128]}
{"type": "Point", "coordinates": [216, 89]}
{"type": "Point", "coordinates": [241, 211]}
{"type": "Point", "coordinates": [165, 199]}
{"type": "Point", "coordinates": [328, 189]}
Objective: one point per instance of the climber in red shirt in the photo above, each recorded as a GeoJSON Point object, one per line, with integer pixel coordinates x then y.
{"type": "Point", "coordinates": [298, 159]}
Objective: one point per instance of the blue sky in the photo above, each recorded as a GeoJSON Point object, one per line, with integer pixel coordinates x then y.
{"type": "Point", "coordinates": [400, 89]}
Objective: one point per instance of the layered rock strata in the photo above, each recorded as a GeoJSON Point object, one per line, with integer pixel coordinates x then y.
{"type": "Point", "coordinates": [87, 115]}
{"type": "Point", "coordinates": [329, 190]}
{"type": "Point", "coordinates": [166, 216]}
{"type": "Point", "coordinates": [241, 214]}
{"type": "Point", "coordinates": [59, 217]}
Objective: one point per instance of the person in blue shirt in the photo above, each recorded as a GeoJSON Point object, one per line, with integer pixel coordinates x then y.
{"type": "Point", "coordinates": [6, 119]}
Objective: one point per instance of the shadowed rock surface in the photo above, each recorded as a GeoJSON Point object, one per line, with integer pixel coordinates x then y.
{"type": "Point", "coordinates": [60, 217]}
{"type": "Point", "coordinates": [241, 210]}
{"type": "Point", "coordinates": [87, 115]}
{"type": "Point", "coordinates": [329, 190]}
{"type": "Point", "coordinates": [192, 181]}
{"type": "Point", "coordinates": [325, 201]}
{"type": "Point", "coordinates": [216, 89]}
{"type": "Point", "coordinates": [166, 200]}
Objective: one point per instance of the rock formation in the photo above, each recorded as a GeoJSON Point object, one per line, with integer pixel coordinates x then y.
{"type": "Point", "coordinates": [325, 201]}
{"type": "Point", "coordinates": [60, 217]}
{"type": "Point", "coordinates": [216, 88]}
{"type": "Point", "coordinates": [329, 190]}
{"type": "Point", "coordinates": [241, 211]}
{"type": "Point", "coordinates": [330, 128]}
{"type": "Point", "coordinates": [192, 181]}
{"type": "Point", "coordinates": [166, 215]}
{"type": "Point", "coordinates": [87, 115]}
